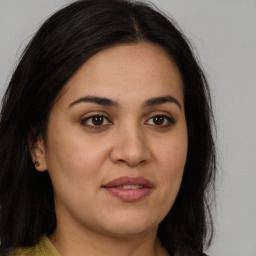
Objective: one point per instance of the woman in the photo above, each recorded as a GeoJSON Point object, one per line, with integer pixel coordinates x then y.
{"type": "Point", "coordinates": [106, 145]}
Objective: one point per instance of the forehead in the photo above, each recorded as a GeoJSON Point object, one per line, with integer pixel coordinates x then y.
{"type": "Point", "coordinates": [127, 72]}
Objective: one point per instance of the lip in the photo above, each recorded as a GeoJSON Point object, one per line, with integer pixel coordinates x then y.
{"type": "Point", "coordinates": [116, 189]}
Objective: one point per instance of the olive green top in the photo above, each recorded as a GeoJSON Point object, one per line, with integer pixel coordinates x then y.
{"type": "Point", "coordinates": [43, 248]}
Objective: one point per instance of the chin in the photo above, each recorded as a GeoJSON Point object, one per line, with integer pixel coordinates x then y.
{"type": "Point", "coordinates": [125, 226]}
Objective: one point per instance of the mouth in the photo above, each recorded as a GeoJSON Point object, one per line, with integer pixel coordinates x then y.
{"type": "Point", "coordinates": [129, 189]}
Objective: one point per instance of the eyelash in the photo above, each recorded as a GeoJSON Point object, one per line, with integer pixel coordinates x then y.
{"type": "Point", "coordinates": [170, 121]}
{"type": "Point", "coordinates": [84, 121]}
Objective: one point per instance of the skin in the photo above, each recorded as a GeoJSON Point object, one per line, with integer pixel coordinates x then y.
{"type": "Point", "coordinates": [81, 157]}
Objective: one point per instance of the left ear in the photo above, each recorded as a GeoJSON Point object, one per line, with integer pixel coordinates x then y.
{"type": "Point", "coordinates": [37, 152]}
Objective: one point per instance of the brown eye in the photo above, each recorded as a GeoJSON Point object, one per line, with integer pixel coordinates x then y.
{"type": "Point", "coordinates": [96, 121]}
{"type": "Point", "coordinates": [161, 120]}
{"type": "Point", "coordinates": [158, 120]}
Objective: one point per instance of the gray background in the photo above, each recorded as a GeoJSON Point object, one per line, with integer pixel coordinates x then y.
{"type": "Point", "coordinates": [224, 38]}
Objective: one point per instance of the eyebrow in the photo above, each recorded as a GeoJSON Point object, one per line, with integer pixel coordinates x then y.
{"type": "Point", "coordinates": [108, 102]}
{"type": "Point", "coordinates": [93, 99]}
{"type": "Point", "coordinates": [162, 100]}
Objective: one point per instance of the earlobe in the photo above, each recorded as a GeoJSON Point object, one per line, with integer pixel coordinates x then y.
{"type": "Point", "coordinates": [37, 152]}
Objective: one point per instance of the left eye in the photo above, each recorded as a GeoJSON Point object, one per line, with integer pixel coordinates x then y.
{"type": "Point", "coordinates": [160, 120]}
{"type": "Point", "coordinates": [95, 121]}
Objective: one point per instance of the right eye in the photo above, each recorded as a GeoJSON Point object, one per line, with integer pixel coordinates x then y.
{"type": "Point", "coordinates": [96, 121]}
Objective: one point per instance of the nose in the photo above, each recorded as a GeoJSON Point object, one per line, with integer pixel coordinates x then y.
{"type": "Point", "coordinates": [130, 146]}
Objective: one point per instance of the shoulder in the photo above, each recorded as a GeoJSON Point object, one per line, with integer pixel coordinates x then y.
{"type": "Point", "coordinates": [43, 248]}
{"type": "Point", "coordinates": [15, 252]}
{"type": "Point", "coordinates": [29, 251]}
{"type": "Point", "coordinates": [26, 251]}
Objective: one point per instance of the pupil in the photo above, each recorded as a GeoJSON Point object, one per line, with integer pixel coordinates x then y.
{"type": "Point", "coordinates": [97, 120]}
{"type": "Point", "coordinates": [158, 120]}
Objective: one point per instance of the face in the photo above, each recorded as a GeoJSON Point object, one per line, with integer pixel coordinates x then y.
{"type": "Point", "coordinates": [117, 142]}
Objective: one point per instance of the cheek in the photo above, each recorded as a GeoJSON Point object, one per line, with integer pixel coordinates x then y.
{"type": "Point", "coordinates": [172, 153]}
{"type": "Point", "coordinates": [171, 159]}
{"type": "Point", "coordinates": [75, 160]}
{"type": "Point", "coordinates": [70, 158]}
{"type": "Point", "coordinates": [172, 168]}
{"type": "Point", "coordinates": [73, 168]}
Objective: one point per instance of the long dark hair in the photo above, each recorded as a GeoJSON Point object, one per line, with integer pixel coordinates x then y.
{"type": "Point", "coordinates": [63, 43]}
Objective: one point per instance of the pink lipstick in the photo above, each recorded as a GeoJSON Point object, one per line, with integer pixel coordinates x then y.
{"type": "Point", "coordinates": [129, 189]}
